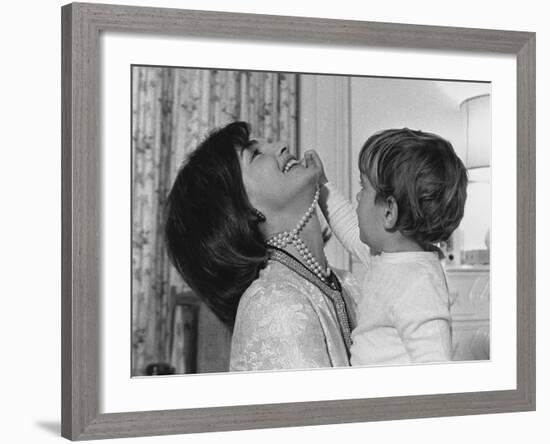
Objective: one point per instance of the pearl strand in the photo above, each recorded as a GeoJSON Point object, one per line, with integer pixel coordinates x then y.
{"type": "Point", "coordinates": [281, 240]}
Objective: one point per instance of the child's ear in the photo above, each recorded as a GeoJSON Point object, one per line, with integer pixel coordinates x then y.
{"type": "Point", "coordinates": [391, 213]}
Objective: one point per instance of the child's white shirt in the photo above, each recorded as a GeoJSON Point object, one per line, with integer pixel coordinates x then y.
{"type": "Point", "coordinates": [403, 315]}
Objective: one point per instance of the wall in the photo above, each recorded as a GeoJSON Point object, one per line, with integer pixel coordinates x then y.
{"type": "Point", "coordinates": [378, 103]}
{"type": "Point", "coordinates": [30, 223]}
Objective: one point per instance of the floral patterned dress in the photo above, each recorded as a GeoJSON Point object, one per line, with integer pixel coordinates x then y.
{"type": "Point", "coordinates": [286, 320]}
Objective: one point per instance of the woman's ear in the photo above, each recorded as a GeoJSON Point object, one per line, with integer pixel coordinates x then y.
{"type": "Point", "coordinates": [391, 213]}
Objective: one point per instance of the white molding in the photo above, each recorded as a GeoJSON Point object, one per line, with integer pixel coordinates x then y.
{"type": "Point", "coordinates": [324, 125]}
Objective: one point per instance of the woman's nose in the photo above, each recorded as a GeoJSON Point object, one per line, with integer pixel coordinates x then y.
{"type": "Point", "coordinates": [276, 148]}
{"type": "Point", "coordinates": [279, 148]}
{"type": "Point", "coordinates": [283, 149]}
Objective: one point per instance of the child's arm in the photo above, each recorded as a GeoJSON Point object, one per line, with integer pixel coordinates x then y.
{"type": "Point", "coordinates": [423, 321]}
{"type": "Point", "coordinates": [340, 215]}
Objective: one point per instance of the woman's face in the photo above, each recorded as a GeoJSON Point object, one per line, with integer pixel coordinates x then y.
{"type": "Point", "coordinates": [274, 179]}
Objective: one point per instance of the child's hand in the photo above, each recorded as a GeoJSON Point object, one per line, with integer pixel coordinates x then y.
{"type": "Point", "coordinates": [311, 156]}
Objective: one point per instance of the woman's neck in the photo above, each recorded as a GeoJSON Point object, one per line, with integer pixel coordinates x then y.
{"type": "Point", "coordinates": [312, 237]}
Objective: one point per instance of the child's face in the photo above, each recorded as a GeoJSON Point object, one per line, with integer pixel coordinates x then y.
{"type": "Point", "coordinates": [370, 216]}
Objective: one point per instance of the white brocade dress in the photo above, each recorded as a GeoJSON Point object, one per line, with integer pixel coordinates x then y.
{"type": "Point", "coordinates": [285, 321]}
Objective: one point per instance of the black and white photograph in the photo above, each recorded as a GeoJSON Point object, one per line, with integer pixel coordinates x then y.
{"type": "Point", "coordinates": [275, 222]}
{"type": "Point", "coordinates": [296, 221]}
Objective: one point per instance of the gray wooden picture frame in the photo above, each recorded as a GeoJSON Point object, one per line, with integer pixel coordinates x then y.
{"type": "Point", "coordinates": [81, 174]}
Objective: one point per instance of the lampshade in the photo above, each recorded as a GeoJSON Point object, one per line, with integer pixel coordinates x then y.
{"type": "Point", "coordinates": [476, 115]}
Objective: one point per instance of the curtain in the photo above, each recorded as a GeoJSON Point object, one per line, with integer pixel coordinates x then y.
{"type": "Point", "coordinates": [173, 109]}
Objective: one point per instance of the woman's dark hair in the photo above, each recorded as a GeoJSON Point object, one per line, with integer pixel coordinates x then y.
{"type": "Point", "coordinates": [424, 175]}
{"type": "Point", "coordinates": [211, 233]}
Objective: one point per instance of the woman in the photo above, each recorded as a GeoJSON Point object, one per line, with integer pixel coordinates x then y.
{"type": "Point", "coordinates": [241, 229]}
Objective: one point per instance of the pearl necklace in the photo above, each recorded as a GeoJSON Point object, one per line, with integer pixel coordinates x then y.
{"type": "Point", "coordinates": [281, 240]}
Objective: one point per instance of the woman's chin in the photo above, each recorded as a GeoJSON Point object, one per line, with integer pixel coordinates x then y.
{"type": "Point", "coordinates": [310, 175]}
{"type": "Point", "coordinates": [309, 184]}
{"type": "Point", "coordinates": [298, 188]}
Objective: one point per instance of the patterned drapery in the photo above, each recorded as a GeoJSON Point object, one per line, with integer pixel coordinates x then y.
{"type": "Point", "coordinates": [172, 111]}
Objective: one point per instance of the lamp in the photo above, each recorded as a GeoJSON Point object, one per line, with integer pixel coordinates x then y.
{"type": "Point", "coordinates": [476, 117]}
{"type": "Point", "coordinates": [470, 242]}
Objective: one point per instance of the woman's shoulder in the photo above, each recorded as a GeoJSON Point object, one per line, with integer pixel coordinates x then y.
{"type": "Point", "coordinates": [273, 305]}
{"type": "Point", "coordinates": [277, 326]}
{"type": "Point", "coordinates": [276, 284]}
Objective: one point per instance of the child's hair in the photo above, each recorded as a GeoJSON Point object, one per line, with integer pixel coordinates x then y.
{"type": "Point", "coordinates": [425, 177]}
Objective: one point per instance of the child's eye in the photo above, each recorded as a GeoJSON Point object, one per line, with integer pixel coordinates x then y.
{"type": "Point", "coordinates": [255, 153]}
